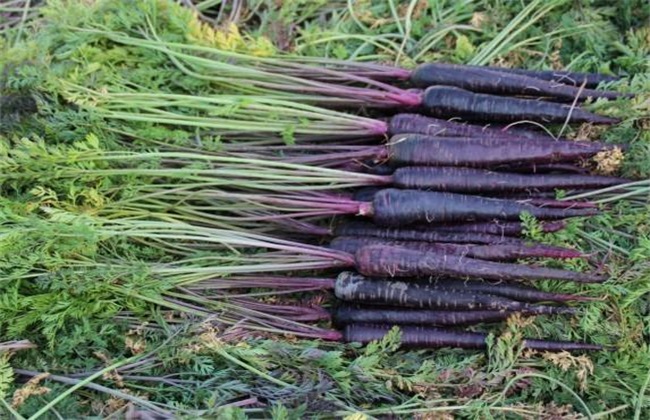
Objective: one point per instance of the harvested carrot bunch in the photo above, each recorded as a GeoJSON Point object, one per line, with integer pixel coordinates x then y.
{"type": "Point", "coordinates": [155, 169]}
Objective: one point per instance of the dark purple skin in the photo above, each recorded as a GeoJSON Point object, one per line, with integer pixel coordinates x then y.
{"type": "Point", "coordinates": [392, 207]}
{"type": "Point", "coordinates": [497, 252]}
{"type": "Point", "coordinates": [381, 169]}
{"type": "Point", "coordinates": [469, 180]}
{"type": "Point", "coordinates": [434, 338]}
{"type": "Point", "coordinates": [514, 291]}
{"type": "Point", "coordinates": [421, 124]}
{"type": "Point", "coordinates": [387, 261]}
{"type": "Point", "coordinates": [590, 80]}
{"type": "Point", "coordinates": [356, 314]}
{"type": "Point", "coordinates": [526, 130]}
{"type": "Point", "coordinates": [352, 287]}
{"type": "Point", "coordinates": [484, 80]}
{"type": "Point", "coordinates": [362, 228]}
{"type": "Point", "coordinates": [448, 101]}
{"type": "Point", "coordinates": [365, 193]}
{"type": "Point", "coordinates": [526, 195]}
{"type": "Point", "coordinates": [422, 150]}
{"type": "Point", "coordinates": [531, 197]}
{"type": "Point", "coordinates": [497, 227]}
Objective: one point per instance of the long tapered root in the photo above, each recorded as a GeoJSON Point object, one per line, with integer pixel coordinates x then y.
{"type": "Point", "coordinates": [433, 338]}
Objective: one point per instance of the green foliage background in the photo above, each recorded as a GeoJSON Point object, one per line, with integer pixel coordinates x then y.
{"type": "Point", "coordinates": [218, 374]}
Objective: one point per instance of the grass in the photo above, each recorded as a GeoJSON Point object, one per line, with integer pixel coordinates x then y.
{"type": "Point", "coordinates": [189, 367]}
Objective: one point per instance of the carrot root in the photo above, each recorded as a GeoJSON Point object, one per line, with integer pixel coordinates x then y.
{"type": "Point", "coordinates": [386, 261]}
{"type": "Point", "coordinates": [433, 338]}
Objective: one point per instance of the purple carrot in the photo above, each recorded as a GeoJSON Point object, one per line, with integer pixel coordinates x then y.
{"type": "Point", "coordinates": [392, 207]}
{"type": "Point", "coordinates": [422, 150]}
{"type": "Point", "coordinates": [361, 228]}
{"type": "Point", "coordinates": [485, 80]}
{"type": "Point", "coordinates": [536, 198]}
{"type": "Point", "coordinates": [421, 124]}
{"type": "Point", "coordinates": [590, 80]}
{"type": "Point", "coordinates": [480, 181]}
{"type": "Point", "coordinates": [498, 252]}
{"type": "Point", "coordinates": [514, 291]}
{"type": "Point", "coordinates": [352, 287]}
{"type": "Point", "coordinates": [396, 74]}
{"type": "Point", "coordinates": [469, 180]}
{"type": "Point", "coordinates": [497, 227]}
{"type": "Point", "coordinates": [447, 101]}
{"type": "Point", "coordinates": [387, 261]}
{"type": "Point", "coordinates": [433, 338]}
{"type": "Point", "coordinates": [356, 314]}
{"type": "Point", "coordinates": [418, 149]}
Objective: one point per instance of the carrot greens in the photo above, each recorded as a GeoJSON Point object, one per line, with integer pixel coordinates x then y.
{"type": "Point", "coordinates": [215, 209]}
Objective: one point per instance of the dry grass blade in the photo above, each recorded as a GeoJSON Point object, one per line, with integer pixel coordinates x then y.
{"type": "Point", "coordinates": [16, 345]}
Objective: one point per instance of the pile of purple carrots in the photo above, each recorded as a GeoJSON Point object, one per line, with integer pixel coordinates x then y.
{"type": "Point", "coordinates": [436, 236]}
{"type": "Point", "coordinates": [441, 245]}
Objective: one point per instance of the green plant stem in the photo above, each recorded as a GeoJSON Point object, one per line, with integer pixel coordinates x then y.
{"type": "Point", "coordinates": [520, 376]}
{"type": "Point", "coordinates": [87, 382]}
{"type": "Point", "coordinates": [11, 410]}
{"type": "Point", "coordinates": [640, 397]}
{"type": "Point", "coordinates": [252, 369]}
